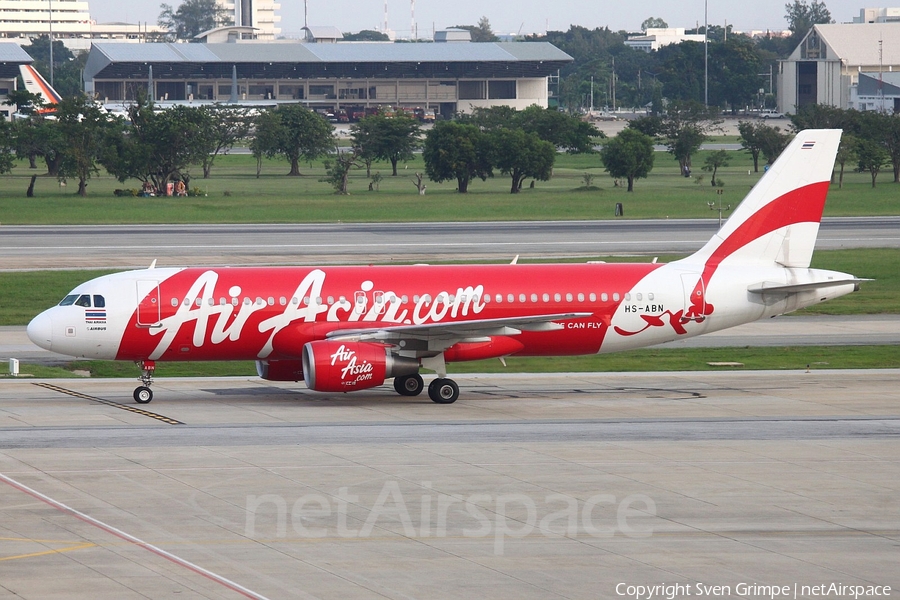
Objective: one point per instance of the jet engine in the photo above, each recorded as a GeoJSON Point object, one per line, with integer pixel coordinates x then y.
{"type": "Point", "coordinates": [333, 366]}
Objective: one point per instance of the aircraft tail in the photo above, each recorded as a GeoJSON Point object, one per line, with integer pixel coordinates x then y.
{"type": "Point", "coordinates": [778, 221]}
{"type": "Point", "coordinates": [36, 84]}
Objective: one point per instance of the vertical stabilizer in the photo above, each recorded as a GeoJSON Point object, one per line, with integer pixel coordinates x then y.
{"type": "Point", "coordinates": [778, 221]}
{"type": "Point", "coordinates": [36, 84]}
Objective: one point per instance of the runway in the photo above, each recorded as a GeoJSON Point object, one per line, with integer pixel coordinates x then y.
{"type": "Point", "coordinates": [529, 486]}
{"type": "Point", "coordinates": [94, 246]}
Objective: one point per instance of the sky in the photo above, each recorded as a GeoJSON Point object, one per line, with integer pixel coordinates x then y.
{"type": "Point", "coordinates": [505, 16]}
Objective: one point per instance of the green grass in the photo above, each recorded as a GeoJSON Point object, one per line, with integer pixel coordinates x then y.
{"type": "Point", "coordinates": [274, 197]}
{"type": "Point", "coordinates": [24, 294]}
{"type": "Point", "coordinates": [682, 359]}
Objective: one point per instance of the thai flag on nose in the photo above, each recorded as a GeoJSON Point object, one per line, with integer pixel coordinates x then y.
{"type": "Point", "coordinates": [95, 315]}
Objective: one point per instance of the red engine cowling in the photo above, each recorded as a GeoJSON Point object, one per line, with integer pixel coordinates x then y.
{"type": "Point", "coordinates": [332, 366]}
{"type": "Point", "coordinates": [280, 370]}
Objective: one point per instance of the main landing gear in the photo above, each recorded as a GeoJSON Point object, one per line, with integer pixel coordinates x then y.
{"type": "Point", "coordinates": [143, 394]}
{"type": "Point", "coordinates": [441, 390]}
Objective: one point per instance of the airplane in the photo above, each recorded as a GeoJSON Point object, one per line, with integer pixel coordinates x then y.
{"type": "Point", "coordinates": [348, 328]}
{"type": "Point", "coordinates": [36, 84]}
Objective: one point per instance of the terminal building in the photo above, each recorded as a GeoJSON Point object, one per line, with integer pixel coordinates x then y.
{"type": "Point", "coordinates": [348, 76]}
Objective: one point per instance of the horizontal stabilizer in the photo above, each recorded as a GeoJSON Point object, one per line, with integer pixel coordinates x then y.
{"type": "Point", "coordinates": [768, 287]}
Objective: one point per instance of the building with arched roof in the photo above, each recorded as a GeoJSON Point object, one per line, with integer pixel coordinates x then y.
{"type": "Point", "coordinates": [826, 65]}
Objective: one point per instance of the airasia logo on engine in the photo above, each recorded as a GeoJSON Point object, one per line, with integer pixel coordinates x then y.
{"type": "Point", "coordinates": [353, 372]}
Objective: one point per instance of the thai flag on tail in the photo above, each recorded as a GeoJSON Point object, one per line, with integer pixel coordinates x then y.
{"type": "Point", "coordinates": [807, 145]}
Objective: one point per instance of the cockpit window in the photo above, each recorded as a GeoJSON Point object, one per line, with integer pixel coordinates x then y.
{"type": "Point", "coordinates": [69, 300]}
{"type": "Point", "coordinates": [99, 301]}
{"type": "Point", "coordinates": [83, 300]}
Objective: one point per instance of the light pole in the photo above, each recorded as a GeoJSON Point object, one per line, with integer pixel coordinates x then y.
{"type": "Point", "coordinates": [50, 4]}
{"type": "Point", "coordinates": [706, 52]}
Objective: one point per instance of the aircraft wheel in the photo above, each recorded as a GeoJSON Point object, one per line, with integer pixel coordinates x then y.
{"type": "Point", "coordinates": [409, 385]}
{"type": "Point", "coordinates": [143, 395]}
{"type": "Point", "coordinates": [443, 391]}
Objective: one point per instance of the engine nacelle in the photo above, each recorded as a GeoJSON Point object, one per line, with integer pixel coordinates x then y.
{"type": "Point", "coordinates": [332, 366]}
{"type": "Point", "coordinates": [280, 370]}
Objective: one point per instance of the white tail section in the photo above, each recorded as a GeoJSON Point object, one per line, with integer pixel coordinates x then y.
{"type": "Point", "coordinates": [36, 84]}
{"type": "Point", "coordinates": [778, 221]}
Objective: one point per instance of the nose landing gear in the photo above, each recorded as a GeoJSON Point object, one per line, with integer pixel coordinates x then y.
{"type": "Point", "coordinates": [143, 394]}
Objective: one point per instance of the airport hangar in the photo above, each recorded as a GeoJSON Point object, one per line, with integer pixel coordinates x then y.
{"type": "Point", "coordinates": [446, 77]}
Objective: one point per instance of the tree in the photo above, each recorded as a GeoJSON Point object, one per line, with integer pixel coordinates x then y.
{"type": "Point", "coordinates": [871, 157]}
{"type": "Point", "coordinates": [823, 116]}
{"type": "Point", "coordinates": [772, 142]}
{"type": "Point", "coordinates": [734, 72]}
{"type": "Point", "coordinates": [715, 160]}
{"type": "Point", "coordinates": [630, 155]}
{"type": "Point", "coordinates": [653, 23]}
{"type": "Point", "coordinates": [685, 127]}
{"type": "Point", "coordinates": [456, 151]}
{"type": "Point", "coordinates": [223, 126]}
{"type": "Point", "coordinates": [294, 132]}
{"type": "Point", "coordinates": [338, 171]}
{"type": "Point", "coordinates": [366, 35]}
{"type": "Point", "coordinates": [380, 137]}
{"type": "Point", "coordinates": [7, 148]}
{"type": "Point", "coordinates": [38, 137]}
{"type": "Point", "coordinates": [520, 154]}
{"type": "Point", "coordinates": [193, 17]}
{"type": "Point", "coordinates": [83, 127]}
{"type": "Point", "coordinates": [558, 128]}
{"type": "Point", "coordinates": [802, 15]}
{"type": "Point", "coordinates": [884, 129]}
{"type": "Point", "coordinates": [481, 32]}
{"type": "Point", "coordinates": [756, 136]}
{"type": "Point", "coordinates": [846, 154]}
{"type": "Point", "coordinates": [158, 145]}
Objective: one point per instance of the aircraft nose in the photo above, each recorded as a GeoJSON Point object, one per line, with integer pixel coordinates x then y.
{"type": "Point", "coordinates": [40, 331]}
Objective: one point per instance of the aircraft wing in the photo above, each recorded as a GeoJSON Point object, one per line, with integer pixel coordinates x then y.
{"type": "Point", "coordinates": [446, 334]}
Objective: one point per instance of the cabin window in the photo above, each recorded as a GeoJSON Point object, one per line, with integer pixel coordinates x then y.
{"type": "Point", "coordinates": [234, 301]}
{"type": "Point", "coordinates": [581, 297]}
{"type": "Point", "coordinates": [295, 301]}
{"type": "Point", "coordinates": [569, 297]}
{"type": "Point", "coordinates": [593, 297]}
{"type": "Point", "coordinates": [174, 302]}
{"type": "Point", "coordinates": [511, 298]}
{"type": "Point", "coordinates": [270, 301]}
{"type": "Point", "coordinates": [557, 297]}
{"type": "Point", "coordinates": [650, 296]}
{"type": "Point", "coordinates": [639, 296]}
{"type": "Point", "coordinates": [604, 296]}
{"type": "Point", "coordinates": [282, 301]}
{"type": "Point", "coordinates": [616, 297]}
{"type": "Point", "coordinates": [546, 297]}
{"type": "Point", "coordinates": [627, 297]}
{"type": "Point", "coordinates": [522, 298]}
{"type": "Point", "coordinates": [534, 298]}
